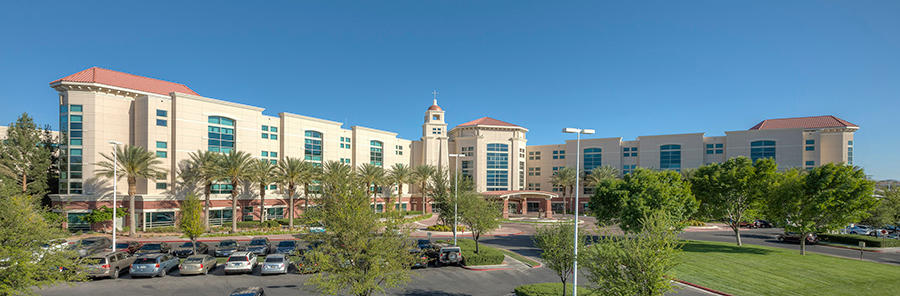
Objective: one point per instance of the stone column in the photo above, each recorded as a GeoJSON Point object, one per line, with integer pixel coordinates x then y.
{"type": "Point", "coordinates": [524, 204]}
{"type": "Point", "coordinates": [548, 208]}
{"type": "Point", "coordinates": [505, 208]}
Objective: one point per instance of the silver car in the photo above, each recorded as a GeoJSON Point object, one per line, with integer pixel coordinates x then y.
{"type": "Point", "coordinates": [275, 264]}
{"type": "Point", "coordinates": [198, 264]}
{"type": "Point", "coordinates": [240, 262]}
{"type": "Point", "coordinates": [153, 265]}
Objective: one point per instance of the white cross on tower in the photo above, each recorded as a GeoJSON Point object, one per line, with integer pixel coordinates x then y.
{"type": "Point", "coordinates": [434, 93]}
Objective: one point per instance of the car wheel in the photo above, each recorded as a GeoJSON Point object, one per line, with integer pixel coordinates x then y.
{"type": "Point", "coordinates": [115, 274]}
{"type": "Point", "coordinates": [779, 239]}
{"type": "Point", "coordinates": [162, 273]}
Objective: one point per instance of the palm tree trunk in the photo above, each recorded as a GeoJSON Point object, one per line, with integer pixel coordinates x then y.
{"type": "Point", "coordinates": [262, 202]}
{"type": "Point", "coordinates": [305, 198]}
{"type": "Point", "coordinates": [424, 199]}
{"type": "Point", "coordinates": [132, 190]}
{"type": "Point", "coordinates": [291, 206]}
{"type": "Point", "coordinates": [234, 201]}
{"type": "Point", "coordinates": [24, 182]}
{"type": "Point", "coordinates": [206, 191]}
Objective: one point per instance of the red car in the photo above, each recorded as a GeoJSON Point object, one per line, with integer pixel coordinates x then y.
{"type": "Point", "coordinates": [811, 239]}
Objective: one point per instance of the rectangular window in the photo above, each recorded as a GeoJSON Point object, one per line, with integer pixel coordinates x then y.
{"type": "Point", "coordinates": [161, 122]}
{"type": "Point", "coordinates": [345, 160]}
{"type": "Point", "coordinates": [265, 135]}
{"type": "Point", "coordinates": [265, 154]}
{"type": "Point", "coordinates": [162, 154]}
{"type": "Point", "coordinates": [75, 108]}
{"type": "Point", "coordinates": [75, 134]}
{"type": "Point", "coordinates": [75, 152]}
{"type": "Point", "coordinates": [162, 145]}
{"type": "Point", "coordinates": [273, 154]}
{"type": "Point", "coordinates": [810, 162]}
{"type": "Point", "coordinates": [162, 113]}
{"type": "Point", "coordinates": [720, 145]}
{"type": "Point", "coordinates": [849, 143]}
{"type": "Point", "coordinates": [161, 186]}
{"type": "Point", "coordinates": [75, 142]}
{"type": "Point", "coordinates": [273, 129]}
{"type": "Point", "coordinates": [810, 142]}
{"type": "Point", "coordinates": [75, 118]}
{"type": "Point", "coordinates": [265, 128]}
{"type": "Point", "coordinates": [810, 148]}
{"type": "Point", "coordinates": [273, 137]}
{"type": "Point", "coordinates": [497, 167]}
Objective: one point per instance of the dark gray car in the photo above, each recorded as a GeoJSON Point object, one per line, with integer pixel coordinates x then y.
{"type": "Point", "coordinates": [226, 247]}
{"type": "Point", "coordinates": [186, 249]}
{"type": "Point", "coordinates": [259, 246]}
{"type": "Point", "coordinates": [153, 265]}
{"type": "Point", "coordinates": [91, 245]}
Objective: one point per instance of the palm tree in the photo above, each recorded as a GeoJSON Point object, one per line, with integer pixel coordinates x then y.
{"type": "Point", "coordinates": [206, 164]}
{"type": "Point", "coordinates": [372, 175]}
{"type": "Point", "coordinates": [421, 174]}
{"type": "Point", "coordinates": [597, 175]}
{"type": "Point", "coordinates": [400, 174]}
{"type": "Point", "coordinates": [335, 174]}
{"type": "Point", "coordinates": [291, 171]}
{"type": "Point", "coordinates": [133, 162]}
{"type": "Point", "coordinates": [311, 173]}
{"type": "Point", "coordinates": [263, 173]}
{"type": "Point", "coordinates": [235, 168]}
{"type": "Point", "coordinates": [565, 178]}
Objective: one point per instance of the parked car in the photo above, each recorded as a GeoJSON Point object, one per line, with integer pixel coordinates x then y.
{"type": "Point", "coordinates": [198, 264]}
{"type": "Point", "coordinates": [241, 262]}
{"type": "Point", "coordinates": [421, 258]}
{"type": "Point", "coordinates": [91, 245]}
{"type": "Point", "coordinates": [450, 255]}
{"type": "Point", "coordinates": [795, 238]}
{"type": "Point", "coordinates": [226, 247]}
{"type": "Point", "coordinates": [153, 248]}
{"type": "Point", "coordinates": [859, 229]}
{"type": "Point", "coordinates": [286, 247]}
{"type": "Point", "coordinates": [129, 247]}
{"type": "Point", "coordinates": [423, 244]}
{"type": "Point", "coordinates": [259, 246]}
{"type": "Point", "coordinates": [187, 249]}
{"type": "Point", "coordinates": [316, 228]}
{"type": "Point", "coordinates": [157, 264]}
{"type": "Point", "coordinates": [248, 291]}
{"type": "Point", "coordinates": [762, 223]}
{"type": "Point", "coordinates": [108, 264]}
{"type": "Point", "coordinates": [275, 264]}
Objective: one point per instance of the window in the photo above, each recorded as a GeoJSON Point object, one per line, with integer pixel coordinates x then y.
{"type": "Point", "coordinates": [762, 149]}
{"type": "Point", "coordinates": [162, 154]}
{"type": "Point", "coordinates": [161, 145]}
{"type": "Point", "coordinates": [435, 131]}
{"type": "Point", "coordinates": [376, 153]}
{"type": "Point", "coordinates": [221, 134]}
{"type": "Point", "coordinates": [627, 169]}
{"type": "Point", "coordinates": [468, 151]}
{"type": "Point", "coordinates": [497, 167]}
{"type": "Point", "coordinates": [715, 148]}
{"type": "Point", "coordinates": [264, 135]}
{"type": "Point", "coordinates": [849, 143]}
{"type": "Point", "coordinates": [273, 137]}
{"type": "Point", "coordinates": [399, 150]}
{"type": "Point", "coordinates": [273, 154]}
{"type": "Point", "coordinates": [534, 171]}
{"type": "Point", "coordinates": [810, 148]}
{"type": "Point", "coordinates": [466, 168]}
{"type": "Point", "coordinates": [75, 142]}
{"type": "Point", "coordinates": [75, 118]}
{"type": "Point", "coordinates": [592, 158]}
{"type": "Point", "coordinates": [810, 142]}
{"type": "Point", "coordinates": [162, 185]}
{"type": "Point", "coordinates": [345, 160]}
{"type": "Point", "coordinates": [221, 188]}
{"type": "Point", "coordinates": [435, 117]}
{"type": "Point", "coordinates": [273, 187]}
{"type": "Point", "coordinates": [273, 129]}
{"type": "Point", "coordinates": [849, 155]}
{"type": "Point", "coordinates": [670, 157]}
{"type": "Point", "coordinates": [534, 186]}
{"type": "Point", "coordinates": [75, 152]}
{"type": "Point", "coordinates": [810, 162]}
{"type": "Point", "coordinates": [534, 155]}
{"type": "Point", "coordinates": [265, 154]}
{"type": "Point", "coordinates": [75, 188]}
{"type": "Point", "coordinates": [265, 128]}
{"type": "Point", "coordinates": [162, 122]}
{"type": "Point", "coordinates": [345, 142]}
{"type": "Point", "coordinates": [312, 148]}
{"type": "Point", "coordinates": [75, 108]}
{"type": "Point", "coordinates": [162, 113]}
{"type": "Point", "coordinates": [559, 154]}
{"type": "Point", "coordinates": [274, 213]}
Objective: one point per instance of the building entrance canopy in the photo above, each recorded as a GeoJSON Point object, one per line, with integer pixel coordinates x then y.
{"type": "Point", "coordinates": [520, 200]}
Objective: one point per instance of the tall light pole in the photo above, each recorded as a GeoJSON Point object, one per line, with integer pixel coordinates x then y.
{"type": "Point", "coordinates": [115, 189]}
{"type": "Point", "coordinates": [578, 132]}
{"type": "Point", "coordinates": [455, 193]}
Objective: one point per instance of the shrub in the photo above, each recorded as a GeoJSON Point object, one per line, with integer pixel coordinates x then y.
{"type": "Point", "coordinates": [162, 229]}
{"type": "Point", "coordinates": [695, 223]}
{"type": "Point", "coordinates": [548, 289]}
{"type": "Point", "coordinates": [446, 228]}
{"type": "Point", "coordinates": [854, 239]}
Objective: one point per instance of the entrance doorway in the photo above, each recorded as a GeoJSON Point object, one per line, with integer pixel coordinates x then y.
{"type": "Point", "coordinates": [534, 206]}
{"type": "Point", "coordinates": [513, 208]}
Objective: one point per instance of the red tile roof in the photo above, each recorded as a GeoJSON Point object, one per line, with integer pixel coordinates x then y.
{"type": "Point", "coordinates": [488, 121]}
{"type": "Point", "coordinates": [435, 107]}
{"type": "Point", "coordinates": [803, 122]}
{"type": "Point", "coordinates": [125, 80]}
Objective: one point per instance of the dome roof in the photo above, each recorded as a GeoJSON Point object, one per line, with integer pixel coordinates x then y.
{"type": "Point", "coordinates": [435, 108]}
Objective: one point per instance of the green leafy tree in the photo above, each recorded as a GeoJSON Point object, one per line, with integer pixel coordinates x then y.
{"type": "Point", "coordinates": [235, 168]}
{"type": "Point", "coordinates": [421, 175]}
{"type": "Point", "coordinates": [443, 194]}
{"type": "Point", "coordinates": [637, 264]}
{"type": "Point", "coordinates": [557, 243]}
{"type": "Point", "coordinates": [25, 157]}
{"type": "Point", "coordinates": [888, 209]}
{"type": "Point", "coordinates": [478, 214]}
{"type": "Point", "coordinates": [400, 174]}
{"type": "Point", "coordinates": [134, 162]}
{"type": "Point", "coordinates": [104, 214]}
{"type": "Point", "coordinates": [26, 263]}
{"type": "Point", "coordinates": [206, 167]}
{"type": "Point", "coordinates": [263, 173]}
{"type": "Point", "coordinates": [191, 223]}
{"type": "Point", "coordinates": [827, 198]}
{"type": "Point", "coordinates": [565, 177]}
{"type": "Point", "coordinates": [730, 189]}
{"type": "Point", "coordinates": [359, 255]}
{"type": "Point", "coordinates": [640, 193]}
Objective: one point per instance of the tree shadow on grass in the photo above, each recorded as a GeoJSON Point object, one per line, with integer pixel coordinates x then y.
{"type": "Point", "coordinates": [699, 247]}
{"type": "Point", "coordinates": [747, 235]}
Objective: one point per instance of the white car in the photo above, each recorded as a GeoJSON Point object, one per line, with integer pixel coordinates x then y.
{"type": "Point", "coordinates": [240, 262]}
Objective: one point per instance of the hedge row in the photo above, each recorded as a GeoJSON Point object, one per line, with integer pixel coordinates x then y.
{"type": "Point", "coordinates": [445, 228]}
{"type": "Point", "coordinates": [549, 289]}
{"type": "Point", "coordinates": [854, 239]}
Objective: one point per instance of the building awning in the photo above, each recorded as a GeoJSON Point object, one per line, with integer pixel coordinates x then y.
{"type": "Point", "coordinates": [519, 193]}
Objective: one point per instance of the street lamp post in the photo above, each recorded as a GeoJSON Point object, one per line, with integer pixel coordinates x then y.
{"type": "Point", "coordinates": [578, 132]}
{"type": "Point", "coordinates": [115, 189]}
{"type": "Point", "coordinates": [455, 193]}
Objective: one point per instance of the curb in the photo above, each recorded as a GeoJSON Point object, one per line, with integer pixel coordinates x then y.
{"type": "Point", "coordinates": [703, 288]}
{"type": "Point", "coordinates": [486, 269]}
{"type": "Point", "coordinates": [852, 248]}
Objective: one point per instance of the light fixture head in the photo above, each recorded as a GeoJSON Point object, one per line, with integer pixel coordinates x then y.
{"type": "Point", "coordinates": [571, 130]}
{"type": "Point", "coordinates": [587, 131]}
{"type": "Point", "coordinates": [456, 155]}
{"type": "Point", "coordinates": [114, 142]}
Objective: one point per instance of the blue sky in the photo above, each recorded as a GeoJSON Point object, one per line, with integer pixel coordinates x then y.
{"type": "Point", "coordinates": [624, 68]}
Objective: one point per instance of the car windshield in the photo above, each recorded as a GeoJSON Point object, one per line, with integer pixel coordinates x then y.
{"type": "Point", "coordinates": [87, 242]}
{"type": "Point", "coordinates": [227, 244]}
{"type": "Point", "coordinates": [145, 261]}
{"type": "Point", "coordinates": [151, 247]}
{"type": "Point", "coordinates": [274, 259]}
{"type": "Point", "coordinates": [237, 259]}
{"type": "Point", "coordinates": [286, 244]}
{"type": "Point", "coordinates": [257, 242]}
{"type": "Point", "coordinates": [187, 245]}
{"type": "Point", "coordinates": [193, 260]}
{"type": "Point", "coordinates": [121, 245]}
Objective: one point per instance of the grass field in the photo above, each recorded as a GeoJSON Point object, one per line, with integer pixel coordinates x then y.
{"type": "Point", "coordinates": [758, 270]}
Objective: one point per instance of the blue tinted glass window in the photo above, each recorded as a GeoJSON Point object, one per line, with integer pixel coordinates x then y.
{"type": "Point", "coordinates": [75, 108]}
{"type": "Point", "coordinates": [762, 149]}
{"type": "Point", "coordinates": [670, 157]}
{"type": "Point", "coordinates": [161, 122]}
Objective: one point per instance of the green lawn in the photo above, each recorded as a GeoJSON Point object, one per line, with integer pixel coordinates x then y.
{"type": "Point", "coordinates": [758, 270]}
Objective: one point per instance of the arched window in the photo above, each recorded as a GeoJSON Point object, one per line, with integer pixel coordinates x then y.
{"type": "Point", "coordinates": [376, 153]}
{"type": "Point", "coordinates": [592, 158]}
{"type": "Point", "coordinates": [670, 157]}
{"type": "Point", "coordinates": [312, 148]}
{"type": "Point", "coordinates": [221, 134]}
{"type": "Point", "coordinates": [497, 167]}
{"type": "Point", "coordinates": [762, 149]}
